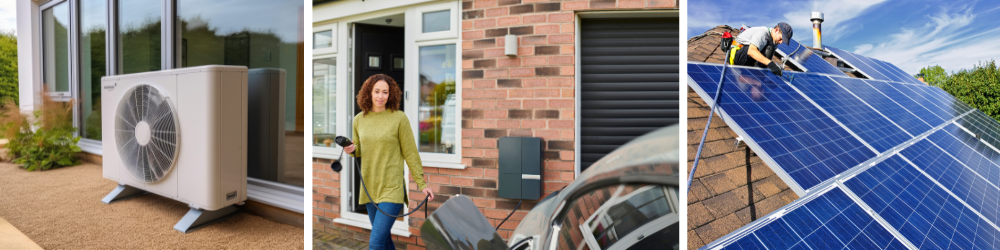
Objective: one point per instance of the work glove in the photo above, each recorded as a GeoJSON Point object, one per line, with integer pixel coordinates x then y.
{"type": "Point", "coordinates": [774, 68]}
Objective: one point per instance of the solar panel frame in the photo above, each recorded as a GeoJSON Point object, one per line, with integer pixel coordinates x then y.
{"type": "Point", "coordinates": [852, 150]}
{"type": "Point", "coordinates": [813, 64]}
{"type": "Point", "coordinates": [951, 126]}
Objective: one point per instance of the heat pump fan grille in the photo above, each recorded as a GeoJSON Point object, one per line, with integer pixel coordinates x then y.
{"type": "Point", "coordinates": [146, 133]}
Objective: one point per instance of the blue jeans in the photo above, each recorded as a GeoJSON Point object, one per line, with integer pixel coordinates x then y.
{"type": "Point", "coordinates": [382, 224]}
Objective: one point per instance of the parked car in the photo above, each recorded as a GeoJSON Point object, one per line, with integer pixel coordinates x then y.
{"type": "Point", "coordinates": [626, 200]}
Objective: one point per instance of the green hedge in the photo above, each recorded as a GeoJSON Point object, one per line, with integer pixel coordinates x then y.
{"type": "Point", "coordinates": [8, 66]}
{"type": "Point", "coordinates": [979, 87]}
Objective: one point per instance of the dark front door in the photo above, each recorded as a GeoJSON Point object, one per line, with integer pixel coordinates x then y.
{"type": "Point", "coordinates": [379, 50]}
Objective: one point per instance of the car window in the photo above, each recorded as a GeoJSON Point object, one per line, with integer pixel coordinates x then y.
{"type": "Point", "coordinates": [622, 217]}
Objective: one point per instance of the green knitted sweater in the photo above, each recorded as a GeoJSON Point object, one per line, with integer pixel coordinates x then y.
{"type": "Point", "coordinates": [383, 140]}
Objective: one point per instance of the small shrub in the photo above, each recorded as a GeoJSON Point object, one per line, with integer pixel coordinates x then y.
{"type": "Point", "coordinates": [51, 145]}
{"type": "Point", "coordinates": [978, 87]}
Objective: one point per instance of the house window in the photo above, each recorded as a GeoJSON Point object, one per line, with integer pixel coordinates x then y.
{"type": "Point", "coordinates": [323, 39]}
{"type": "Point", "coordinates": [55, 37]}
{"type": "Point", "coordinates": [139, 36]}
{"type": "Point", "coordinates": [93, 26]}
{"type": "Point", "coordinates": [324, 102]}
{"type": "Point", "coordinates": [262, 35]}
{"type": "Point", "coordinates": [437, 103]}
{"type": "Point", "coordinates": [437, 21]}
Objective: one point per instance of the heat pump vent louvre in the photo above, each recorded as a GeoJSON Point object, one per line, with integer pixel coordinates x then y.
{"type": "Point", "coordinates": [146, 133]}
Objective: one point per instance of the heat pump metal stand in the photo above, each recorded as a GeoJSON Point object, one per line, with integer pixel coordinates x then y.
{"type": "Point", "coordinates": [197, 218]}
{"type": "Point", "coordinates": [122, 192]}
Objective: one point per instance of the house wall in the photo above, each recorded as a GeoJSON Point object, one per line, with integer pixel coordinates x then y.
{"type": "Point", "coordinates": [530, 95]}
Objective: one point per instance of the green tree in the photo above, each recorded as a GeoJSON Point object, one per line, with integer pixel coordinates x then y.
{"type": "Point", "coordinates": [978, 87]}
{"type": "Point", "coordinates": [8, 66]}
{"type": "Point", "coordinates": [934, 75]}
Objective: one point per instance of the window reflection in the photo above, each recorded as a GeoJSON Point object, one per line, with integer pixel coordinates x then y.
{"type": "Point", "coordinates": [324, 102]}
{"type": "Point", "coordinates": [258, 34]}
{"type": "Point", "coordinates": [55, 36]}
{"type": "Point", "coordinates": [93, 25]}
{"type": "Point", "coordinates": [641, 217]}
{"type": "Point", "coordinates": [437, 104]}
{"type": "Point", "coordinates": [139, 37]}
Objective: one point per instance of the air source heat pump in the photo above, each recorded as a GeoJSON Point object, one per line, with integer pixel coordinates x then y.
{"type": "Point", "coordinates": [180, 134]}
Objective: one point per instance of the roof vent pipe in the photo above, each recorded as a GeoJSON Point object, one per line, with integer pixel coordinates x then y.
{"type": "Point", "coordinates": [817, 19]}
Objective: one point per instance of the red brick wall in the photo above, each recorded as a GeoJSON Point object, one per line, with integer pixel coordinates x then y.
{"type": "Point", "coordinates": [530, 95]}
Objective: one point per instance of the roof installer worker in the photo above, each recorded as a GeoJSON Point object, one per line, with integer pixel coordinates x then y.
{"type": "Point", "coordinates": [756, 45]}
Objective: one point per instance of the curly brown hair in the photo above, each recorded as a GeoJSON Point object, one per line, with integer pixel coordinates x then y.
{"type": "Point", "coordinates": [365, 96]}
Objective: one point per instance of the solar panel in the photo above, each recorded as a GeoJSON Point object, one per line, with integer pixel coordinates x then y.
{"type": "Point", "coordinates": [859, 63]}
{"type": "Point", "coordinates": [811, 63]}
{"type": "Point", "coordinates": [917, 167]}
{"type": "Point", "coordinates": [907, 119]}
{"type": "Point", "coordinates": [826, 220]}
{"type": "Point", "coordinates": [899, 72]}
{"type": "Point", "coordinates": [798, 137]}
{"type": "Point", "coordinates": [874, 128]}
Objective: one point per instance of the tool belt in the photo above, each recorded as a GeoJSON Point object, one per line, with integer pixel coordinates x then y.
{"type": "Point", "coordinates": [732, 52]}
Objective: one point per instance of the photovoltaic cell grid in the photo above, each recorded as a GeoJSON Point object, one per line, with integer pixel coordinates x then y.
{"type": "Point", "coordinates": [947, 198]}
{"type": "Point", "coordinates": [873, 68]}
{"type": "Point", "coordinates": [857, 116]}
{"type": "Point", "coordinates": [922, 212]}
{"type": "Point", "coordinates": [903, 117]}
{"type": "Point", "coordinates": [829, 221]}
{"type": "Point", "coordinates": [811, 63]}
{"type": "Point", "coordinates": [804, 142]}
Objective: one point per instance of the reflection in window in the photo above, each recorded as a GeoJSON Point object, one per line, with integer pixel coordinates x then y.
{"type": "Point", "coordinates": [139, 35]}
{"type": "Point", "coordinates": [437, 21]}
{"type": "Point", "coordinates": [55, 36]}
{"type": "Point", "coordinates": [437, 111]}
{"type": "Point", "coordinates": [257, 34]}
{"type": "Point", "coordinates": [644, 215]}
{"type": "Point", "coordinates": [323, 39]}
{"type": "Point", "coordinates": [93, 25]}
{"type": "Point", "coordinates": [324, 102]}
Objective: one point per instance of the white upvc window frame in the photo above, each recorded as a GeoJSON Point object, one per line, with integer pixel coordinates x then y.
{"type": "Point", "coordinates": [416, 16]}
{"type": "Point", "coordinates": [334, 37]}
{"type": "Point", "coordinates": [335, 151]}
{"type": "Point", "coordinates": [73, 64]}
{"type": "Point", "coordinates": [415, 39]}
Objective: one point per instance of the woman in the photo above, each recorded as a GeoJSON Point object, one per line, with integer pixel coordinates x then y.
{"type": "Point", "coordinates": [385, 139]}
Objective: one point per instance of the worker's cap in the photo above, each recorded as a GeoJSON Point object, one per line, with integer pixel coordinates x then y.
{"type": "Point", "coordinates": [786, 32]}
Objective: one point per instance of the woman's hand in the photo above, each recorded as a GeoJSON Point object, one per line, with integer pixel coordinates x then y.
{"type": "Point", "coordinates": [427, 191]}
{"type": "Point", "coordinates": [349, 149]}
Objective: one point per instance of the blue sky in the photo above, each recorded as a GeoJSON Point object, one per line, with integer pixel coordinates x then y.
{"type": "Point", "coordinates": [910, 34]}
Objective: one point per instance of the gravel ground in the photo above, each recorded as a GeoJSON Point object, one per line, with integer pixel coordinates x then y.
{"type": "Point", "coordinates": [62, 209]}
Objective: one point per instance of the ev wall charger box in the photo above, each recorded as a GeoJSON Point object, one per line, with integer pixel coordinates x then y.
{"type": "Point", "coordinates": [181, 134]}
{"type": "Point", "coordinates": [520, 168]}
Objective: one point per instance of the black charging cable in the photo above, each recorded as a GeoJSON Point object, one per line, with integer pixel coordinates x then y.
{"type": "Point", "coordinates": [511, 213]}
{"type": "Point", "coordinates": [344, 142]}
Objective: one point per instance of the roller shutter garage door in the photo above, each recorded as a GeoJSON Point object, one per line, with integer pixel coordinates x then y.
{"type": "Point", "coordinates": [629, 81]}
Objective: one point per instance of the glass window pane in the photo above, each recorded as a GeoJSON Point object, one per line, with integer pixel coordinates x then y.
{"type": "Point", "coordinates": [55, 36]}
{"type": "Point", "coordinates": [323, 39]}
{"type": "Point", "coordinates": [258, 34]}
{"type": "Point", "coordinates": [437, 21]}
{"type": "Point", "coordinates": [93, 24]}
{"type": "Point", "coordinates": [139, 35]}
{"type": "Point", "coordinates": [437, 111]}
{"type": "Point", "coordinates": [324, 102]}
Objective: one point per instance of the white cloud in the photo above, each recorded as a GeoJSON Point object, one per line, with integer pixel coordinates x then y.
{"type": "Point", "coordinates": [8, 15]}
{"type": "Point", "coordinates": [861, 49]}
{"type": "Point", "coordinates": [835, 14]}
{"type": "Point", "coordinates": [947, 39]}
